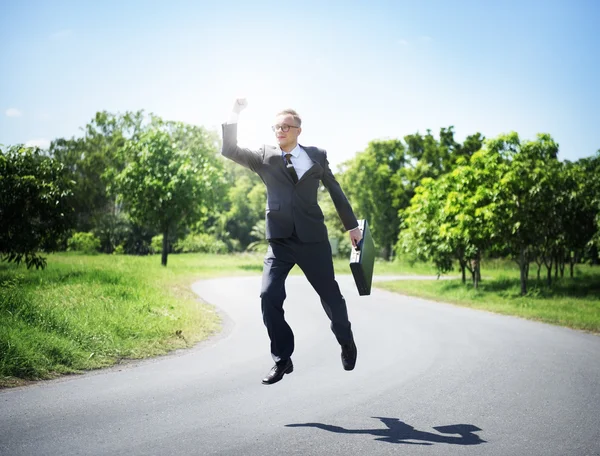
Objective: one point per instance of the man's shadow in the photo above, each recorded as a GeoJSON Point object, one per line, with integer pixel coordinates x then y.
{"type": "Point", "coordinates": [399, 432]}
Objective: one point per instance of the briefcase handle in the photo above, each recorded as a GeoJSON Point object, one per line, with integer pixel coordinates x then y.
{"type": "Point", "coordinates": [359, 245]}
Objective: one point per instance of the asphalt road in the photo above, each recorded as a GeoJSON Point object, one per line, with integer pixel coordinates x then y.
{"type": "Point", "coordinates": [431, 379]}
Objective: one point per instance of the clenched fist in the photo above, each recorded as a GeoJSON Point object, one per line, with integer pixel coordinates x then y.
{"type": "Point", "coordinates": [239, 105]}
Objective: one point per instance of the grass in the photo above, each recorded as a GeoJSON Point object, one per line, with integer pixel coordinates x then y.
{"type": "Point", "coordinates": [85, 312]}
{"type": "Point", "coordinates": [572, 302]}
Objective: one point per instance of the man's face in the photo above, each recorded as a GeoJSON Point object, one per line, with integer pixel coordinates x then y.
{"type": "Point", "coordinates": [286, 139]}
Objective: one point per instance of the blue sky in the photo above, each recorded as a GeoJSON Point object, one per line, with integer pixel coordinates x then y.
{"type": "Point", "coordinates": [355, 71]}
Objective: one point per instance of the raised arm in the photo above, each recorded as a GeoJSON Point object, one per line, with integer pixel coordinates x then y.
{"type": "Point", "coordinates": [245, 157]}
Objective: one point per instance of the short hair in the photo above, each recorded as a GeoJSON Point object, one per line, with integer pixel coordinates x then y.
{"type": "Point", "coordinates": [292, 113]}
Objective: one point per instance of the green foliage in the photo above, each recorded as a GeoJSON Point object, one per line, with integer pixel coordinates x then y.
{"type": "Point", "coordinates": [95, 160]}
{"type": "Point", "coordinates": [344, 247]}
{"type": "Point", "coordinates": [171, 179]}
{"type": "Point", "coordinates": [35, 205]}
{"type": "Point", "coordinates": [369, 183]}
{"type": "Point", "coordinates": [381, 180]}
{"type": "Point", "coordinates": [588, 170]}
{"type": "Point", "coordinates": [156, 244]}
{"type": "Point", "coordinates": [83, 242]}
{"type": "Point", "coordinates": [89, 157]}
{"type": "Point", "coordinates": [113, 229]}
{"type": "Point", "coordinates": [245, 203]}
{"type": "Point", "coordinates": [421, 239]}
{"type": "Point", "coordinates": [514, 198]}
{"type": "Point", "coordinates": [258, 233]}
{"type": "Point", "coordinates": [201, 243]}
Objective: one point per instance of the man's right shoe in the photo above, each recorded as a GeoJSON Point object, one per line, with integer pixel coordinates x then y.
{"type": "Point", "coordinates": [278, 371]}
{"type": "Point", "coordinates": [349, 353]}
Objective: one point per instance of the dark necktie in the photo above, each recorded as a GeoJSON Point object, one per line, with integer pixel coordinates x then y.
{"type": "Point", "coordinates": [290, 167]}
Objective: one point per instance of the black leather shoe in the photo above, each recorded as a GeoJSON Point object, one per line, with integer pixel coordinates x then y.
{"type": "Point", "coordinates": [349, 353]}
{"type": "Point", "coordinates": [278, 371]}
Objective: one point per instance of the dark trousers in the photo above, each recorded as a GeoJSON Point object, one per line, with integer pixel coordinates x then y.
{"type": "Point", "coordinates": [315, 261]}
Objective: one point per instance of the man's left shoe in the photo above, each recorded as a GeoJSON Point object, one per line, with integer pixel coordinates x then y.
{"type": "Point", "coordinates": [349, 353]}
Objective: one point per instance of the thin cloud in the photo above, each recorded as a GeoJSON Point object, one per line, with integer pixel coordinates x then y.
{"type": "Point", "coordinates": [13, 112]}
{"type": "Point", "coordinates": [42, 143]}
{"type": "Point", "coordinates": [426, 39]}
{"type": "Point", "coordinates": [402, 42]}
{"type": "Point", "coordinates": [61, 34]}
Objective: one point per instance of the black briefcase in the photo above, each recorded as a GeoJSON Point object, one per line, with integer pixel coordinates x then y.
{"type": "Point", "coordinates": [362, 260]}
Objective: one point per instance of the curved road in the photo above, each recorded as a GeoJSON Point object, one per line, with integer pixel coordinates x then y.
{"type": "Point", "coordinates": [431, 379]}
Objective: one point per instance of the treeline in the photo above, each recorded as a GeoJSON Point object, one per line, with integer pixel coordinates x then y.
{"type": "Point", "coordinates": [452, 204]}
{"type": "Point", "coordinates": [136, 184]}
{"type": "Point", "coordinates": [133, 184]}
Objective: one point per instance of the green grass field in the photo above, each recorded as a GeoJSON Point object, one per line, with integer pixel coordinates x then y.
{"type": "Point", "coordinates": [85, 312]}
{"type": "Point", "coordinates": [90, 311]}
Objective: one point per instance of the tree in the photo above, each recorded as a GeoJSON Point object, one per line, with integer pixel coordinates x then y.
{"type": "Point", "coordinates": [511, 196]}
{"type": "Point", "coordinates": [171, 178]}
{"type": "Point", "coordinates": [468, 214]}
{"type": "Point", "coordinates": [587, 226]}
{"type": "Point", "coordinates": [420, 237]}
{"type": "Point", "coordinates": [369, 183]}
{"type": "Point", "coordinates": [428, 157]}
{"type": "Point", "coordinates": [527, 216]}
{"type": "Point", "coordinates": [245, 205]}
{"type": "Point", "coordinates": [452, 217]}
{"type": "Point", "coordinates": [35, 206]}
{"type": "Point", "coordinates": [87, 159]}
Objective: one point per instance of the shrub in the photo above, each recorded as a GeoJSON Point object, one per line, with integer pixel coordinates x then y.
{"type": "Point", "coordinates": [202, 243]}
{"type": "Point", "coordinates": [156, 244]}
{"type": "Point", "coordinates": [344, 247]}
{"type": "Point", "coordinates": [83, 242]}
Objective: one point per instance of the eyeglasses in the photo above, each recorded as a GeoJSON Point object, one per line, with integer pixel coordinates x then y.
{"type": "Point", "coordinates": [283, 127]}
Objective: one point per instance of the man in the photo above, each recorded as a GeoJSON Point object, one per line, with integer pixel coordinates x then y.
{"type": "Point", "coordinates": [296, 232]}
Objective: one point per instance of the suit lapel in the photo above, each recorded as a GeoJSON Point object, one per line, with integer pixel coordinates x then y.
{"type": "Point", "coordinates": [316, 167]}
{"type": "Point", "coordinates": [274, 158]}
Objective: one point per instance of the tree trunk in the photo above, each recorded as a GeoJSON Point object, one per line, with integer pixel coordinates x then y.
{"type": "Point", "coordinates": [522, 270]}
{"type": "Point", "coordinates": [538, 271]}
{"type": "Point", "coordinates": [463, 271]}
{"type": "Point", "coordinates": [165, 247]}
{"type": "Point", "coordinates": [476, 273]}
{"type": "Point", "coordinates": [549, 273]}
{"type": "Point", "coordinates": [386, 252]}
{"type": "Point", "coordinates": [571, 265]}
{"type": "Point", "coordinates": [556, 267]}
{"type": "Point", "coordinates": [562, 268]}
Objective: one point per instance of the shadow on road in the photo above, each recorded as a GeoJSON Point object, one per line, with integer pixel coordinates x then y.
{"type": "Point", "coordinates": [399, 432]}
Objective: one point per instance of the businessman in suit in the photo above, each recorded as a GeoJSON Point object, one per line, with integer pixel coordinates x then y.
{"type": "Point", "coordinates": [296, 231]}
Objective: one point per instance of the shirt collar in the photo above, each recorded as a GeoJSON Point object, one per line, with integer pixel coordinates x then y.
{"type": "Point", "coordinates": [295, 151]}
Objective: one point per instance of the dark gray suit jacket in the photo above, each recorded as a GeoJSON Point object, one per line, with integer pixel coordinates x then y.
{"type": "Point", "coordinates": [290, 204]}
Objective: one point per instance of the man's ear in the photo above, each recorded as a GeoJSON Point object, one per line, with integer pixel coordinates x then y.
{"type": "Point", "coordinates": [299, 130]}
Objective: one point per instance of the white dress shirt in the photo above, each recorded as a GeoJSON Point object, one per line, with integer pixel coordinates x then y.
{"type": "Point", "coordinates": [300, 160]}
